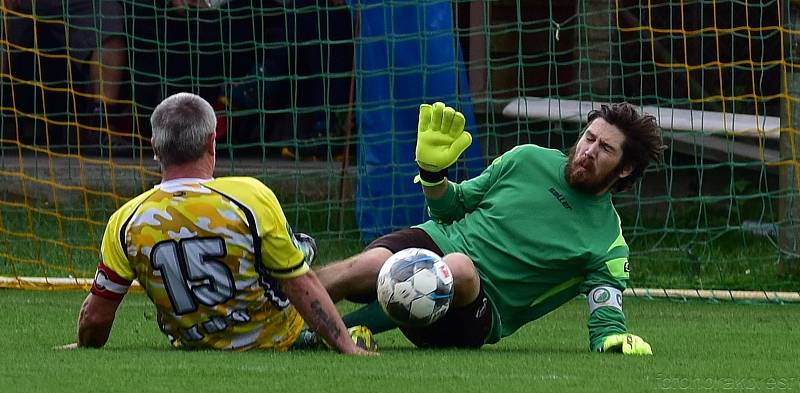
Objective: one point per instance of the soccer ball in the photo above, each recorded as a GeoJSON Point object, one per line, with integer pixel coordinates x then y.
{"type": "Point", "coordinates": [415, 287]}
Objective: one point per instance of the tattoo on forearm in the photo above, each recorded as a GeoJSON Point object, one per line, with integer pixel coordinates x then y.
{"type": "Point", "coordinates": [325, 319]}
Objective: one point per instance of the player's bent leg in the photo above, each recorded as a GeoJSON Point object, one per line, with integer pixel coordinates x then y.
{"type": "Point", "coordinates": [462, 327]}
{"type": "Point", "coordinates": [355, 276]}
{"type": "Point", "coordinates": [466, 282]}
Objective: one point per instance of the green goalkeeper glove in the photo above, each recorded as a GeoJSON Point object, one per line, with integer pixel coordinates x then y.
{"type": "Point", "coordinates": [440, 138]}
{"type": "Point", "coordinates": [628, 344]}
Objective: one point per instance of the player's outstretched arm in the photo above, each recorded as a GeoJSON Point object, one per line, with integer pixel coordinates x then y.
{"type": "Point", "coordinates": [313, 303]}
{"type": "Point", "coordinates": [607, 331]}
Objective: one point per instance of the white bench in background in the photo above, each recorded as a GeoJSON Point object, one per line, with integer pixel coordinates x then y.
{"type": "Point", "coordinates": [691, 129]}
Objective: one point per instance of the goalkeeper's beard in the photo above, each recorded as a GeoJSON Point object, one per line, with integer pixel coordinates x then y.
{"type": "Point", "coordinates": [584, 180]}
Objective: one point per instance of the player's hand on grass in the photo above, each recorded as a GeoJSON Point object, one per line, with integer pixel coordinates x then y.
{"type": "Point", "coordinates": [67, 346]}
{"type": "Point", "coordinates": [440, 137]}
{"type": "Point", "coordinates": [628, 344]}
{"type": "Point", "coordinates": [363, 352]}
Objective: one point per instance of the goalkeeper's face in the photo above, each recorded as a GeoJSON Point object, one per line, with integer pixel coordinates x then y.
{"type": "Point", "coordinates": [595, 162]}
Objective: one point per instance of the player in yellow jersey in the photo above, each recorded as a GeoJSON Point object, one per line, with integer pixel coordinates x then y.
{"type": "Point", "coordinates": [215, 256]}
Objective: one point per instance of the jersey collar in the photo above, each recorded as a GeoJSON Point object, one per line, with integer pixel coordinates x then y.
{"type": "Point", "coordinates": [183, 180]}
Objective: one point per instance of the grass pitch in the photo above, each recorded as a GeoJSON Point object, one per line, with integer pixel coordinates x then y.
{"type": "Point", "coordinates": [698, 346]}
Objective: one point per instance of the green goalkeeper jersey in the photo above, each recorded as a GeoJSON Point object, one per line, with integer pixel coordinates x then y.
{"type": "Point", "coordinates": [535, 241]}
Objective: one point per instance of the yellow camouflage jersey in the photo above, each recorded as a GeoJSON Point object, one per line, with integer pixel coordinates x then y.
{"type": "Point", "coordinates": [207, 253]}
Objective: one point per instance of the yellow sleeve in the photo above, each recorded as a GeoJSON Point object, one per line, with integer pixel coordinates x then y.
{"type": "Point", "coordinates": [111, 252]}
{"type": "Point", "coordinates": [280, 254]}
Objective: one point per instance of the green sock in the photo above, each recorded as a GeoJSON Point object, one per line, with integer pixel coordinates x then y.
{"type": "Point", "coordinates": [371, 316]}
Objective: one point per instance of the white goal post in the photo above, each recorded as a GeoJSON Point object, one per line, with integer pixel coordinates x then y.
{"type": "Point", "coordinates": [72, 283]}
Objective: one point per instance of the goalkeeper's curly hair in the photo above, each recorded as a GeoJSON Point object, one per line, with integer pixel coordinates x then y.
{"type": "Point", "coordinates": [643, 143]}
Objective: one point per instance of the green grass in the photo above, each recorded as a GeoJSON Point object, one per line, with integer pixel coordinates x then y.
{"type": "Point", "coordinates": [698, 347]}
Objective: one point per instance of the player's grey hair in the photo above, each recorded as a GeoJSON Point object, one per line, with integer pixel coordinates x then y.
{"type": "Point", "coordinates": [182, 124]}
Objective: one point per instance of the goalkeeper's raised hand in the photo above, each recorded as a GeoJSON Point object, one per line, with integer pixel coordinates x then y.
{"type": "Point", "coordinates": [628, 344]}
{"type": "Point", "coordinates": [440, 139]}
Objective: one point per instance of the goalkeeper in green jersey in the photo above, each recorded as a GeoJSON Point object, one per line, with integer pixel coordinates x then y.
{"type": "Point", "coordinates": [527, 235]}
